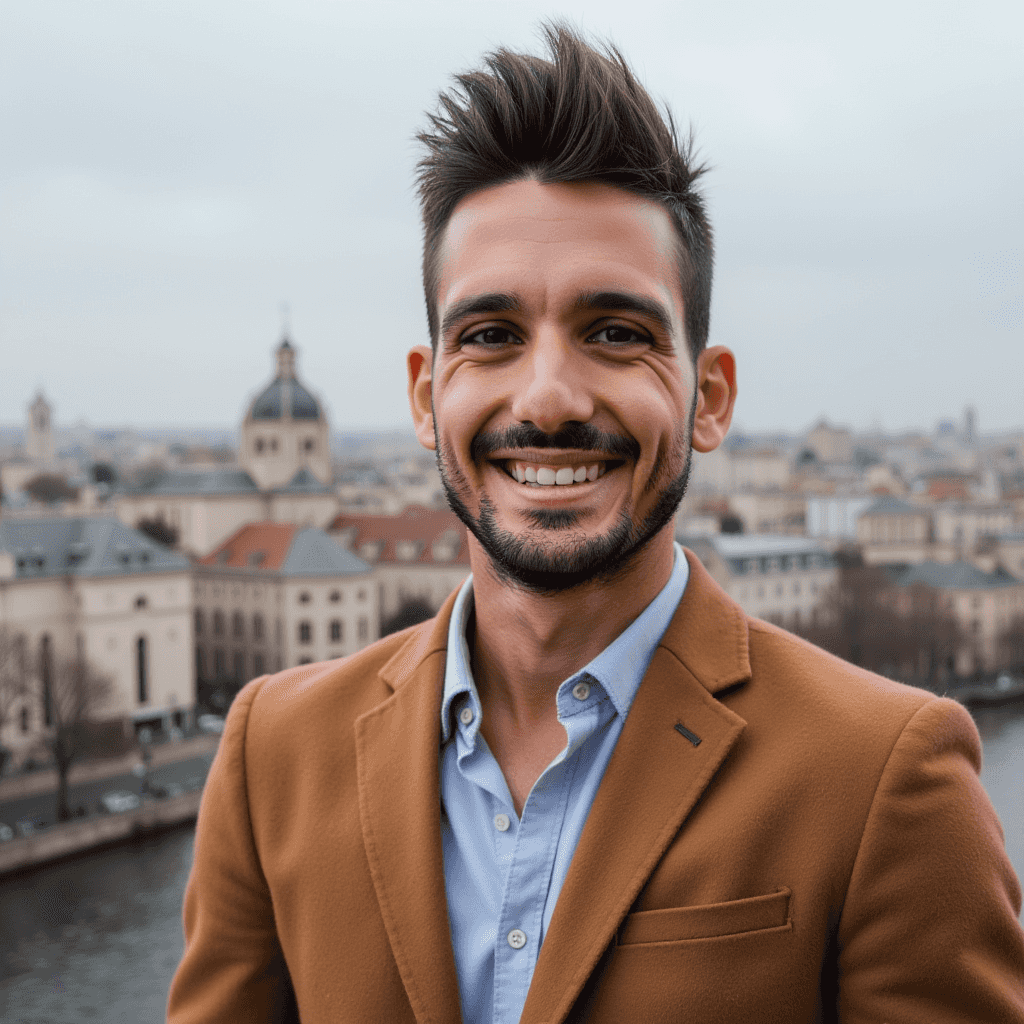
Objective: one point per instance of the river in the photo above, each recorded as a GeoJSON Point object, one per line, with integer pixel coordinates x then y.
{"type": "Point", "coordinates": [97, 938]}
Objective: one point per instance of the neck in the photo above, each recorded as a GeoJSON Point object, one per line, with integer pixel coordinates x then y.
{"type": "Point", "coordinates": [525, 644]}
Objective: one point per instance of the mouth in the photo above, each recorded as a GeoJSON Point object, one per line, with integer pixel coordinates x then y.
{"type": "Point", "coordinates": [562, 474]}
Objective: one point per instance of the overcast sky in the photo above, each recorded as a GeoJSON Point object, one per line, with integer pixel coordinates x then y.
{"type": "Point", "coordinates": [173, 172]}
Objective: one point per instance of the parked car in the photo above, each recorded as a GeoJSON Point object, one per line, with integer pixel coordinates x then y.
{"type": "Point", "coordinates": [211, 723]}
{"type": "Point", "coordinates": [119, 800]}
{"type": "Point", "coordinates": [6, 833]}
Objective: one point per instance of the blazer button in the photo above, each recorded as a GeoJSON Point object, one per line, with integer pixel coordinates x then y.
{"type": "Point", "coordinates": [581, 691]}
{"type": "Point", "coordinates": [517, 938]}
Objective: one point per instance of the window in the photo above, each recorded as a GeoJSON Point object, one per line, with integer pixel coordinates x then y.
{"type": "Point", "coordinates": [257, 627]}
{"type": "Point", "coordinates": [199, 622]}
{"type": "Point", "coordinates": [239, 666]}
{"type": "Point", "coordinates": [335, 596]}
{"type": "Point", "coordinates": [361, 595]}
{"type": "Point", "coordinates": [364, 628]}
{"type": "Point", "coordinates": [304, 597]}
{"type": "Point", "coordinates": [258, 665]}
{"type": "Point", "coordinates": [24, 720]}
{"type": "Point", "coordinates": [305, 632]}
{"type": "Point", "coordinates": [337, 630]}
{"type": "Point", "coordinates": [142, 669]}
{"type": "Point", "coordinates": [46, 677]}
{"type": "Point", "coordinates": [273, 444]}
{"type": "Point", "coordinates": [238, 624]}
{"type": "Point", "coordinates": [140, 602]}
{"type": "Point", "coordinates": [218, 623]}
{"type": "Point", "coordinates": [200, 663]}
{"type": "Point", "coordinates": [309, 444]}
{"type": "Point", "coordinates": [220, 667]}
{"type": "Point", "coordinates": [259, 445]}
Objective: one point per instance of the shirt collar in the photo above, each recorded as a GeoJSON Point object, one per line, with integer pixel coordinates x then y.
{"type": "Point", "coordinates": [620, 667]}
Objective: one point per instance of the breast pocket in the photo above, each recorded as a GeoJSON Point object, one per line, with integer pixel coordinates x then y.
{"type": "Point", "coordinates": [714, 920]}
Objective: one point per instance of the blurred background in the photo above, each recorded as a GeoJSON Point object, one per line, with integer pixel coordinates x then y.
{"type": "Point", "coordinates": [209, 279]}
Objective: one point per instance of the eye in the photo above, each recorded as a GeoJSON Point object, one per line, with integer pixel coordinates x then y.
{"type": "Point", "coordinates": [491, 337]}
{"type": "Point", "coordinates": [619, 335]}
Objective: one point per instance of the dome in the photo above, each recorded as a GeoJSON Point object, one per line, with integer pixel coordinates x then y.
{"type": "Point", "coordinates": [285, 396]}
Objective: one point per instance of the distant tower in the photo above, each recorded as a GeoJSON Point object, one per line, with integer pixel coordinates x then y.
{"type": "Point", "coordinates": [39, 431]}
{"type": "Point", "coordinates": [285, 429]}
{"type": "Point", "coordinates": [970, 425]}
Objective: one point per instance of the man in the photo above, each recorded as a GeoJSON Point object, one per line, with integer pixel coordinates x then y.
{"type": "Point", "coordinates": [591, 788]}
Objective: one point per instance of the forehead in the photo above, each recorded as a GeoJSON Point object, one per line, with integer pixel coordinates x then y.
{"type": "Point", "coordinates": [545, 239]}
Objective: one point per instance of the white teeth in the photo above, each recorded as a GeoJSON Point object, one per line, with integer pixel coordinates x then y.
{"type": "Point", "coordinates": [549, 476]}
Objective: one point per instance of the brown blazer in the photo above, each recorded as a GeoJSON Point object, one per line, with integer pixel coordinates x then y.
{"type": "Point", "coordinates": [824, 853]}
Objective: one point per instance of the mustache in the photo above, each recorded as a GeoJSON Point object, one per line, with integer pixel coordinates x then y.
{"type": "Point", "coordinates": [582, 436]}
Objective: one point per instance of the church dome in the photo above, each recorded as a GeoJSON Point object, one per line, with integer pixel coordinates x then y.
{"type": "Point", "coordinates": [285, 396]}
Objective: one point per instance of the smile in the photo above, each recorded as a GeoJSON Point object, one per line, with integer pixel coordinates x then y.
{"type": "Point", "coordinates": [556, 476]}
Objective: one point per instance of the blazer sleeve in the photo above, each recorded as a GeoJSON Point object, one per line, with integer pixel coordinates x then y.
{"type": "Point", "coordinates": [233, 968]}
{"type": "Point", "coordinates": [929, 932]}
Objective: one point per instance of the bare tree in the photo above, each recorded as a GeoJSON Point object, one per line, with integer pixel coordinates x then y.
{"type": "Point", "coordinates": [78, 691]}
{"type": "Point", "coordinates": [13, 679]}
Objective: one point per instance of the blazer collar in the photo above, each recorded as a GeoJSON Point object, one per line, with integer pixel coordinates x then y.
{"type": "Point", "coordinates": [655, 777]}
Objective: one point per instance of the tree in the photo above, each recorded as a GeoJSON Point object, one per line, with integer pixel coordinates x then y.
{"type": "Point", "coordinates": [77, 692]}
{"type": "Point", "coordinates": [103, 473]}
{"type": "Point", "coordinates": [159, 530]}
{"type": "Point", "coordinates": [50, 488]}
{"type": "Point", "coordinates": [13, 679]}
{"type": "Point", "coordinates": [411, 611]}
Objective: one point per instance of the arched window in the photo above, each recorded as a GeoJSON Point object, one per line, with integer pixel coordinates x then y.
{"type": "Point", "coordinates": [142, 669]}
{"type": "Point", "coordinates": [46, 677]}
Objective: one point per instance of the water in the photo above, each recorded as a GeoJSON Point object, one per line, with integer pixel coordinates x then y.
{"type": "Point", "coordinates": [98, 938]}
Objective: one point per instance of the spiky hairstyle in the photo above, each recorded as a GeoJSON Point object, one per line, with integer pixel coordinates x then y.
{"type": "Point", "coordinates": [580, 116]}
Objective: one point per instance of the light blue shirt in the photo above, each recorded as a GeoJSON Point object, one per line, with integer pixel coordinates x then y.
{"type": "Point", "coordinates": [502, 873]}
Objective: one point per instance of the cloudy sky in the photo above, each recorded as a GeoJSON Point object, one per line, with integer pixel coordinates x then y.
{"type": "Point", "coordinates": [171, 173]}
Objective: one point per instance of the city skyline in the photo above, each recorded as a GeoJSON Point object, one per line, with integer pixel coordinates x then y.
{"type": "Point", "coordinates": [175, 174]}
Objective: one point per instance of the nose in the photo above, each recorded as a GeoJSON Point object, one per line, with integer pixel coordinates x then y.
{"type": "Point", "coordinates": [554, 388]}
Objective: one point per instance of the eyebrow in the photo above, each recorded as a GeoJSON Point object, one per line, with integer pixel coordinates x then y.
{"type": "Point", "coordinates": [625, 302]}
{"type": "Point", "coordinates": [492, 302]}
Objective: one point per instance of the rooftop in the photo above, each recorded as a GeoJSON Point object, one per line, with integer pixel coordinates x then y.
{"type": "Point", "coordinates": [83, 547]}
{"type": "Point", "coordinates": [285, 550]}
{"type": "Point", "coordinates": [417, 535]}
{"type": "Point", "coordinates": [954, 576]}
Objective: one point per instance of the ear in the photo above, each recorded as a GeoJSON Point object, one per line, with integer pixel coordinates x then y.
{"type": "Point", "coordinates": [420, 363]}
{"type": "Point", "coordinates": [716, 396]}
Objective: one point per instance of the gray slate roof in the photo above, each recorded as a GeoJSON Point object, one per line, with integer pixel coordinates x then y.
{"type": "Point", "coordinates": [314, 553]}
{"type": "Point", "coordinates": [304, 482]}
{"type": "Point", "coordinates": [954, 576]}
{"type": "Point", "coordinates": [887, 505]}
{"type": "Point", "coordinates": [84, 547]}
{"type": "Point", "coordinates": [212, 482]}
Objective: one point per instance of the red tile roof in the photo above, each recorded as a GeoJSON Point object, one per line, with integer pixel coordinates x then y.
{"type": "Point", "coordinates": [417, 524]}
{"type": "Point", "coordinates": [244, 548]}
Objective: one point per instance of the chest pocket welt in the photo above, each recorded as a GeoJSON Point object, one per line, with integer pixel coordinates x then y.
{"type": "Point", "coordinates": [754, 914]}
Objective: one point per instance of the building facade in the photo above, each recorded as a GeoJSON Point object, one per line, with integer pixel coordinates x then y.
{"type": "Point", "coordinates": [93, 590]}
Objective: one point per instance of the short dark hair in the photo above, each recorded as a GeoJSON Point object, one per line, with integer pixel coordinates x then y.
{"type": "Point", "coordinates": [579, 117]}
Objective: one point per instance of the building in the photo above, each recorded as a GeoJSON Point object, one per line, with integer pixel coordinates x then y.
{"type": "Point", "coordinates": [782, 579]}
{"type": "Point", "coordinates": [274, 595]}
{"type": "Point", "coordinates": [284, 472]}
{"type": "Point", "coordinates": [960, 526]}
{"type": "Point", "coordinates": [834, 516]}
{"type": "Point", "coordinates": [39, 432]}
{"type": "Point", "coordinates": [419, 554]}
{"type": "Point", "coordinates": [285, 430]}
{"type": "Point", "coordinates": [983, 603]}
{"type": "Point", "coordinates": [894, 531]}
{"type": "Point", "coordinates": [830, 444]}
{"type": "Point", "coordinates": [94, 590]}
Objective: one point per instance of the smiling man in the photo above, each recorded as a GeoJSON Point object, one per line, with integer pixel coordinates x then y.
{"type": "Point", "coordinates": [591, 789]}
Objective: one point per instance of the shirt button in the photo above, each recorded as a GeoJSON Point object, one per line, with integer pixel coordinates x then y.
{"type": "Point", "coordinates": [502, 822]}
{"type": "Point", "coordinates": [517, 938]}
{"type": "Point", "coordinates": [581, 691]}
{"type": "Point", "coordinates": [466, 716]}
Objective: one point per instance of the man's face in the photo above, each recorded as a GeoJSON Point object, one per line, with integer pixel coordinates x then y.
{"type": "Point", "coordinates": [561, 357]}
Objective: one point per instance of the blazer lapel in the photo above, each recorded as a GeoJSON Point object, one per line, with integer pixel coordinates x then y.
{"type": "Point", "coordinates": [397, 747]}
{"type": "Point", "coordinates": [675, 738]}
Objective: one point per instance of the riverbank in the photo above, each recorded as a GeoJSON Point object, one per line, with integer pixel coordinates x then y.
{"type": "Point", "coordinates": [73, 837]}
{"type": "Point", "coordinates": [32, 784]}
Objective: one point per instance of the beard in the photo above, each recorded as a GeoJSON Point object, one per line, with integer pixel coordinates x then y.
{"type": "Point", "coordinates": [567, 558]}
